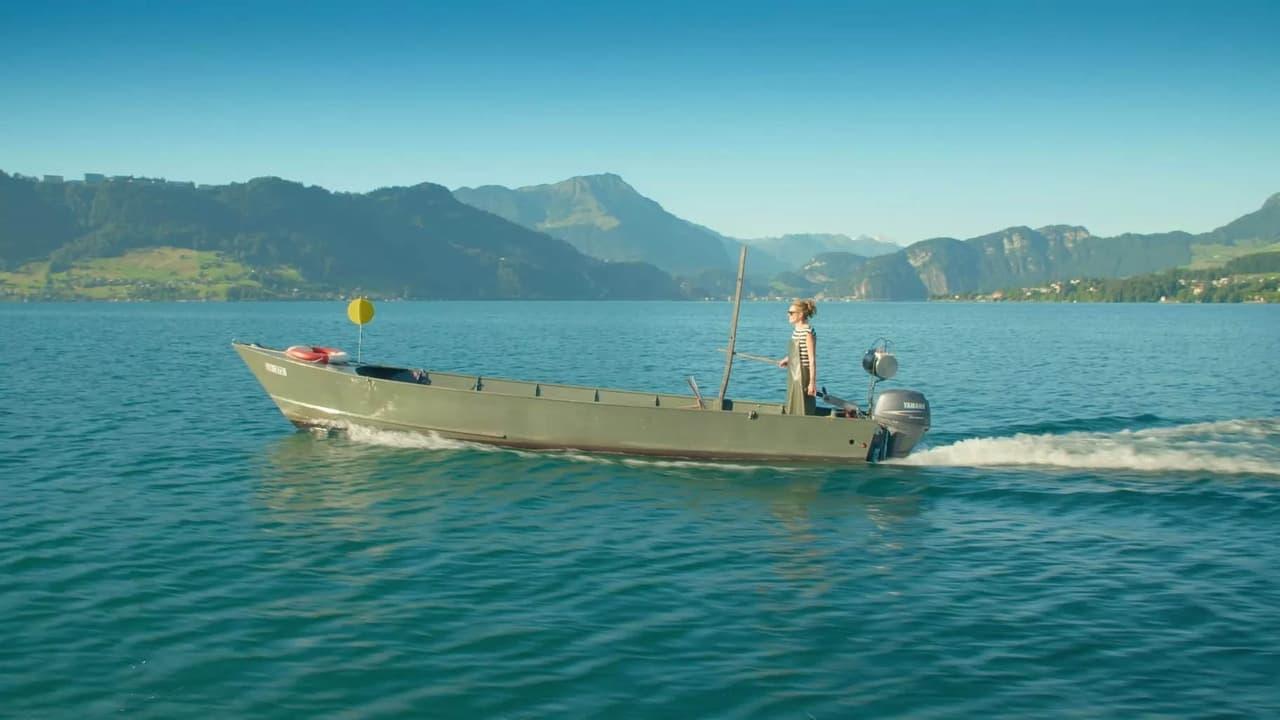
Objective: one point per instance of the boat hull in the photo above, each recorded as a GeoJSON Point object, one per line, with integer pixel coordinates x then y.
{"type": "Point", "coordinates": [547, 416]}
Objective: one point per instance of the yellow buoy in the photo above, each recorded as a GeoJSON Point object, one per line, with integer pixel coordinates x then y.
{"type": "Point", "coordinates": [360, 311]}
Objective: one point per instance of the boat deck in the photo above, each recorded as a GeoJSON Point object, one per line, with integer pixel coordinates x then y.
{"type": "Point", "coordinates": [550, 391]}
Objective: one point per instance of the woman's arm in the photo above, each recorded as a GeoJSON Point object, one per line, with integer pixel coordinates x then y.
{"type": "Point", "coordinates": [812, 341]}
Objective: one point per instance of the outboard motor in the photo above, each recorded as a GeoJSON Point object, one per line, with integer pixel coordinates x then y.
{"type": "Point", "coordinates": [904, 413]}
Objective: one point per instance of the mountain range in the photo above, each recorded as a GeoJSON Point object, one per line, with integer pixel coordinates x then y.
{"type": "Point", "coordinates": [797, 249]}
{"type": "Point", "coordinates": [587, 237]}
{"type": "Point", "coordinates": [1020, 256]}
{"type": "Point", "coordinates": [404, 241]}
{"type": "Point", "coordinates": [605, 217]}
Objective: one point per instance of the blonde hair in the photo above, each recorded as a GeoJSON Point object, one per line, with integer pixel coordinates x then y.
{"type": "Point", "coordinates": [808, 308]}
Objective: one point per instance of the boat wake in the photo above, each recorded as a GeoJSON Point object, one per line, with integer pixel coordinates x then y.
{"type": "Point", "coordinates": [398, 439]}
{"type": "Point", "coordinates": [416, 441]}
{"type": "Point", "coordinates": [1246, 446]}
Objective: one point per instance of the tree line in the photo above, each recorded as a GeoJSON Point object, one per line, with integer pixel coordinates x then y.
{"type": "Point", "coordinates": [1249, 278]}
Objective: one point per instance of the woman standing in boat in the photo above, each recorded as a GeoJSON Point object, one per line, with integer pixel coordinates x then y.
{"type": "Point", "coordinates": [801, 359]}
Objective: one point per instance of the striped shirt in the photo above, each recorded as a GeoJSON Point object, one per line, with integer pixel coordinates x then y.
{"type": "Point", "coordinates": [799, 336]}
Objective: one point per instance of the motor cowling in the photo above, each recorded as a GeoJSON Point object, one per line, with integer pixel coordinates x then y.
{"type": "Point", "coordinates": [905, 414]}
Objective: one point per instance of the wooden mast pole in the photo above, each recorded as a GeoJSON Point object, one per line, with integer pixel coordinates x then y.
{"type": "Point", "coordinates": [733, 329]}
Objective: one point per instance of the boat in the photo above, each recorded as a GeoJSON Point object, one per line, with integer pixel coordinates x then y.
{"type": "Point", "coordinates": [549, 416]}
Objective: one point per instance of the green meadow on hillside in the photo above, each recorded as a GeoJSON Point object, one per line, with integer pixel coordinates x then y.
{"type": "Point", "coordinates": [1212, 255]}
{"type": "Point", "coordinates": [162, 273]}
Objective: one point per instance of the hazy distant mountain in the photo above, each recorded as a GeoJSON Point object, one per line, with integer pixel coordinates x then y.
{"type": "Point", "coordinates": [604, 217]}
{"type": "Point", "coordinates": [1021, 256]}
{"type": "Point", "coordinates": [421, 241]}
{"type": "Point", "coordinates": [404, 241]}
{"type": "Point", "coordinates": [1260, 227]}
{"type": "Point", "coordinates": [761, 264]}
{"type": "Point", "coordinates": [796, 250]}
{"type": "Point", "coordinates": [828, 273]}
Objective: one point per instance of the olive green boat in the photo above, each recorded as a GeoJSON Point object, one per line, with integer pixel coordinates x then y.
{"type": "Point", "coordinates": [316, 389]}
{"type": "Point", "coordinates": [521, 414]}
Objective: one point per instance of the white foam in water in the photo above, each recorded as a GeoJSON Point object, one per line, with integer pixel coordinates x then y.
{"type": "Point", "coordinates": [397, 439]}
{"type": "Point", "coordinates": [1229, 447]}
{"type": "Point", "coordinates": [632, 461]}
{"type": "Point", "coordinates": [1226, 446]}
{"type": "Point", "coordinates": [714, 464]}
{"type": "Point", "coordinates": [1239, 429]}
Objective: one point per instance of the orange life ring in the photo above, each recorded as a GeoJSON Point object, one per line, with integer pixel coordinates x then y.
{"type": "Point", "coordinates": [318, 355]}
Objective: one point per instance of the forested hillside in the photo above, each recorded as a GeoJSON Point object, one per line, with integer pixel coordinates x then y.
{"type": "Point", "coordinates": [416, 242]}
{"type": "Point", "coordinates": [1249, 278]}
{"type": "Point", "coordinates": [1021, 257]}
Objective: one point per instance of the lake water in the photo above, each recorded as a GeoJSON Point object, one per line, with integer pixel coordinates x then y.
{"type": "Point", "coordinates": [1092, 530]}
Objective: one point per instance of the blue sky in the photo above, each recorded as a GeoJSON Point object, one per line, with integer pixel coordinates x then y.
{"type": "Point", "coordinates": [904, 120]}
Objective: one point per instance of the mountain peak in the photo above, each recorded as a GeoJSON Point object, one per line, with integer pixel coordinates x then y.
{"type": "Point", "coordinates": [1273, 201]}
{"type": "Point", "coordinates": [604, 217]}
{"type": "Point", "coordinates": [421, 191]}
{"type": "Point", "coordinates": [1066, 232]}
{"type": "Point", "coordinates": [602, 181]}
{"type": "Point", "coordinates": [270, 180]}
